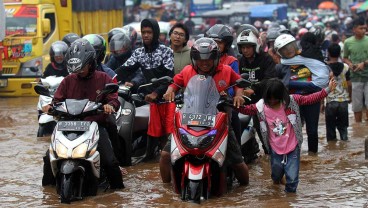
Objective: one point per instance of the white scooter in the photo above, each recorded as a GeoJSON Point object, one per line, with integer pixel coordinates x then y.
{"type": "Point", "coordinates": [74, 158]}
{"type": "Point", "coordinates": [46, 122]}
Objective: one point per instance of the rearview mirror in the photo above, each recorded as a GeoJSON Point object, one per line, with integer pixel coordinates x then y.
{"type": "Point", "coordinates": [42, 90]}
{"type": "Point", "coordinates": [46, 27]}
{"type": "Point", "coordinates": [245, 76]}
{"type": "Point", "coordinates": [111, 88]}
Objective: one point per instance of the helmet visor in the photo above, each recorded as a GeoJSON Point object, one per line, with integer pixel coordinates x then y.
{"type": "Point", "coordinates": [196, 55]}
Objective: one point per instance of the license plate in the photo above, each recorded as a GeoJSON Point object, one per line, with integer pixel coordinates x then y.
{"type": "Point", "coordinates": [194, 119]}
{"type": "Point", "coordinates": [3, 82]}
{"type": "Point", "coordinates": [73, 125]}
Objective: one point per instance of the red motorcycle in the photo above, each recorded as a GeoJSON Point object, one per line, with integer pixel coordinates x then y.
{"type": "Point", "coordinates": [199, 142]}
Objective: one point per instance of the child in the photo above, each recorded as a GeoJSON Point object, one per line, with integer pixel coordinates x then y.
{"type": "Point", "coordinates": [281, 128]}
{"type": "Point", "coordinates": [308, 71]}
{"type": "Point", "coordinates": [336, 112]}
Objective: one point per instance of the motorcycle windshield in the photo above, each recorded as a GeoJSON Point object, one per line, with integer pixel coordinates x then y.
{"type": "Point", "coordinates": [75, 107]}
{"type": "Point", "coordinates": [200, 98]}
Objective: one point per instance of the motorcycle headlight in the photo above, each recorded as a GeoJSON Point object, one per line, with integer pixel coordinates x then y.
{"type": "Point", "coordinates": [61, 150]}
{"type": "Point", "coordinates": [31, 68]}
{"type": "Point", "coordinates": [80, 151]}
{"type": "Point", "coordinates": [205, 140]}
{"type": "Point", "coordinates": [201, 142]}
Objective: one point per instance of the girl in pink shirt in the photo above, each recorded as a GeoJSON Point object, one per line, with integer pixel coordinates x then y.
{"type": "Point", "coordinates": [281, 128]}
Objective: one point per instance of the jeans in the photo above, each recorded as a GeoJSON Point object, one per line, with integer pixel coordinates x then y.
{"type": "Point", "coordinates": [286, 164]}
{"type": "Point", "coordinates": [337, 115]}
{"type": "Point", "coordinates": [310, 113]}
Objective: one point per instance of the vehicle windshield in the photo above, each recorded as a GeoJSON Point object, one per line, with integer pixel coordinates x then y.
{"type": "Point", "coordinates": [21, 21]}
{"type": "Point", "coordinates": [201, 96]}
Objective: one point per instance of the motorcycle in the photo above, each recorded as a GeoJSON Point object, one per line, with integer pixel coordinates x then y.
{"type": "Point", "coordinates": [46, 122]}
{"type": "Point", "coordinates": [132, 124]}
{"type": "Point", "coordinates": [199, 141]}
{"type": "Point", "coordinates": [75, 161]}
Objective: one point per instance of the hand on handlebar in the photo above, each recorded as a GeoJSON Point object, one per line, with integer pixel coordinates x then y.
{"type": "Point", "coordinates": [169, 96]}
{"type": "Point", "coordinates": [151, 97]}
{"type": "Point", "coordinates": [238, 101]}
{"type": "Point", "coordinates": [128, 84]}
{"type": "Point", "coordinates": [46, 108]}
{"type": "Point", "coordinates": [108, 109]}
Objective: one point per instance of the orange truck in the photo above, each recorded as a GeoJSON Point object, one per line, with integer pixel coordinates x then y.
{"type": "Point", "coordinates": [31, 26]}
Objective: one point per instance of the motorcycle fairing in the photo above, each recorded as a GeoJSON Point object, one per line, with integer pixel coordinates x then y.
{"type": "Point", "coordinates": [91, 136]}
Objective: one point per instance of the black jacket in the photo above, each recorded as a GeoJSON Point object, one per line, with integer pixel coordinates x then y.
{"type": "Point", "coordinates": [155, 62]}
{"type": "Point", "coordinates": [259, 70]}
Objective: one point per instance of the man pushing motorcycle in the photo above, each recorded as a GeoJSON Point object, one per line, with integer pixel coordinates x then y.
{"type": "Point", "coordinates": [205, 61]}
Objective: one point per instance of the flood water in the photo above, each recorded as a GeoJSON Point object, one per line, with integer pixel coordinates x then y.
{"type": "Point", "coordinates": [335, 177]}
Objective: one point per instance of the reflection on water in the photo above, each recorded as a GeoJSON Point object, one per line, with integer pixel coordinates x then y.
{"type": "Point", "coordinates": [335, 177]}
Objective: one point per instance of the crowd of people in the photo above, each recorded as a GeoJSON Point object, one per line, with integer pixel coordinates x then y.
{"type": "Point", "coordinates": [291, 72]}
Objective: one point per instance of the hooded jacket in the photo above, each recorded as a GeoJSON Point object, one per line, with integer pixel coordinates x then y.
{"type": "Point", "coordinates": [181, 59]}
{"type": "Point", "coordinates": [155, 62]}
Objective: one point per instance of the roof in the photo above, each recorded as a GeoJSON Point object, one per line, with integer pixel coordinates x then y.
{"type": "Point", "coordinates": [265, 10]}
{"type": "Point", "coordinates": [226, 12]}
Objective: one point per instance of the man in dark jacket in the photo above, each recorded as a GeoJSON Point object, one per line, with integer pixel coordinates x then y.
{"type": "Point", "coordinates": [155, 61]}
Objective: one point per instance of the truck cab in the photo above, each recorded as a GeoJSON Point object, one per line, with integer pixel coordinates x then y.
{"type": "Point", "coordinates": [33, 25]}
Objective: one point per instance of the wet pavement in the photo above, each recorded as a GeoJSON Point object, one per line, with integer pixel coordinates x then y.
{"type": "Point", "coordinates": [335, 177]}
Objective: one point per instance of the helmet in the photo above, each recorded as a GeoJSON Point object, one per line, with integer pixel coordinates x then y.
{"type": "Point", "coordinates": [131, 33]}
{"type": "Point", "coordinates": [114, 31]}
{"type": "Point", "coordinates": [70, 38]}
{"type": "Point", "coordinates": [318, 31]}
{"type": "Point", "coordinates": [99, 44]}
{"type": "Point", "coordinates": [308, 25]}
{"type": "Point", "coordinates": [282, 41]}
{"type": "Point", "coordinates": [58, 48]}
{"type": "Point", "coordinates": [139, 42]}
{"type": "Point", "coordinates": [274, 25]}
{"type": "Point", "coordinates": [220, 32]}
{"type": "Point", "coordinates": [266, 23]}
{"type": "Point", "coordinates": [203, 49]}
{"type": "Point", "coordinates": [120, 45]}
{"type": "Point", "coordinates": [248, 26]}
{"type": "Point", "coordinates": [79, 55]}
{"type": "Point", "coordinates": [272, 34]}
{"type": "Point", "coordinates": [249, 38]}
{"type": "Point", "coordinates": [302, 31]}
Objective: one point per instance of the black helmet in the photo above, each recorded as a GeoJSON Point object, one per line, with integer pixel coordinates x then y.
{"type": "Point", "coordinates": [220, 32]}
{"type": "Point", "coordinates": [70, 38]}
{"type": "Point", "coordinates": [80, 54]}
{"type": "Point", "coordinates": [318, 31]}
{"type": "Point", "coordinates": [272, 34]}
{"type": "Point", "coordinates": [247, 27]}
{"type": "Point", "coordinates": [114, 31]}
{"type": "Point", "coordinates": [99, 44]}
{"type": "Point", "coordinates": [131, 33]}
{"type": "Point", "coordinates": [58, 48]}
{"type": "Point", "coordinates": [120, 45]}
{"type": "Point", "coordinates": [203, 49]}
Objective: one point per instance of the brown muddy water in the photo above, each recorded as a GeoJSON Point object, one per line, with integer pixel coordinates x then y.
{"type": "Point", "coordinates": [335, 177]}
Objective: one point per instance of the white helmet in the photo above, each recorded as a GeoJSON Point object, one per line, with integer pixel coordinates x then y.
{"type": "Point", "coordinates": [308, 25]}
{"type": "Point", "coordinates": [282, 41]}
{"type": "Point", "coordinates": [266, 23]}
{"type": "Point", "coordinates": [247, 37]}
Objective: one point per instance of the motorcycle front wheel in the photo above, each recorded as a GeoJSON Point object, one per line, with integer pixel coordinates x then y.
{"type": "Point", "coordinates": [193, 191]}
